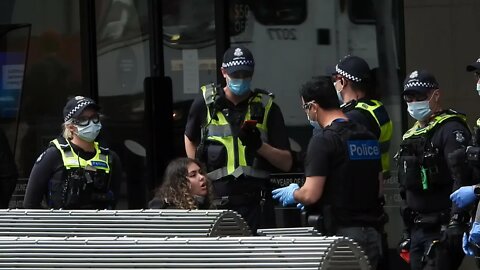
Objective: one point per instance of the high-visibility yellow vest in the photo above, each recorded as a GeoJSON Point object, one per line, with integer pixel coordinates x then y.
{"type": "Point", "coordinates": [417, 130]}
{"type": "Point", "coordinates": [71, 160]}
{"type": "Point", "coordinates": [378, 112]}
{"type": "Point", "coordinates": [220, 131]}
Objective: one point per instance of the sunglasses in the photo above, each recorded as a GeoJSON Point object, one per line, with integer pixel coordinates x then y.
{"type": "Point", "coordinates": [416, 96]}
{"type": "Point", "coordinates": [85, 121]}
{"type": "Point", "coordinates": [477, 75]}
{"type": "Point", "coordinates": [308, 105]}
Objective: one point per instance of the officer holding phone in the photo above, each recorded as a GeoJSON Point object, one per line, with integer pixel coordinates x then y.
{"type": "Point", "coordinates": [240, 134]}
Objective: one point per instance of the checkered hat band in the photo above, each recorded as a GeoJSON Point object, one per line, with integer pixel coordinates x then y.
{"type": "Point", "coordinates": [238, 63]}
{"type": "Point", "coordinates": [347, 75]}
{"type": "Point", "coordinates": [76, 108]}
{"type": "Point", "coordinates": [419, 84]}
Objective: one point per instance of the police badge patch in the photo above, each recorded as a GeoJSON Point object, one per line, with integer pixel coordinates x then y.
{"type": "Point", "coordinates": [40, 157]}
{"type": "Point", "coordinates": [459, 137]}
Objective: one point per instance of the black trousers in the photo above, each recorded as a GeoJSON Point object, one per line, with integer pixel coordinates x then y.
{"type": "Point", "coordinates": [440, 256]}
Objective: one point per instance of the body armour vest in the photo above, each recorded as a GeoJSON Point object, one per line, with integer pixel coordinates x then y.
{"type": "Point", "coordinates": [85, 183]}
{"type": "Point", "coordinates": [378, 112]}
{"type": "Point", "coordinates": [423, 172]}
{"type": "Point", "coordinates": [224, 153]}
{"type": "Point", "coordinates": [351, 190]}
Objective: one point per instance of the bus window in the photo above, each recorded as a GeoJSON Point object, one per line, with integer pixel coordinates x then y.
{"type": "Point", "coordinates": [361, 11]}
{"type": "Point", "coordinates": [280, 12]}
{"type": "Point", "coordinates": [188, 23]}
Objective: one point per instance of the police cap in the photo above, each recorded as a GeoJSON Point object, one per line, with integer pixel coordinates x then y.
{"type": "Point", "coordinates": [76, 105]}
{"type": "Point", "coordinates": [419, 81]}
{"type": "Point", "coordinates": [238, 58]}
{"type": "Point", "coordinates": [474, 66]}
{"type": "Point", "coordinates": [353, 68]}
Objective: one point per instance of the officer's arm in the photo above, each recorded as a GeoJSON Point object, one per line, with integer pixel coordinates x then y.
{"type": "Point", "coordinates": [42, 171]}
{"type": "Point", "coordinates": [192, 135]}
{"type": "Point", "coordinates": [311, 191]}
{"type": "Point", "coordinates": [190, 147]}
{"type": "Point", "coordinates": [282, 159]}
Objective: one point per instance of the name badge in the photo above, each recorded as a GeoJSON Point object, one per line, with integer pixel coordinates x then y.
{"type": "Point", "coordinates": [363, 149]}
{"type": "Point", "coordinates": [100, 164]}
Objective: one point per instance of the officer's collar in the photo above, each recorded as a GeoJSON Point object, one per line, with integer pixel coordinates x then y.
{"type": "Point", "coordinates": [349, 105]}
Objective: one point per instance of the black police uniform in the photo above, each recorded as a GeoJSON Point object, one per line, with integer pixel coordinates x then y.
{"type": "Point", "coordinates": [349, 156]}
{"type": "Point", "coordinates": [51, 180]}
{"type": "Point", "coordinates": [250, 197]}
{"type": "Point", "coordinates": [426, 182]}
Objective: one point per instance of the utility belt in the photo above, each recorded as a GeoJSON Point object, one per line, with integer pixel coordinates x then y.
{"type": "Point", "coordinates": [327, 221]}
{"type": "Point", "coordinates": [431, 219]}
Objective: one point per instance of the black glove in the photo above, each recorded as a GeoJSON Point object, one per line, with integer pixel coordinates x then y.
{"type": "Point", "coordinates": [250, 137]}
{"type": "Point", "coordinates": [452, 236]}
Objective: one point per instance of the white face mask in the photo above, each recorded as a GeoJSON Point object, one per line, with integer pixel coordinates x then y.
{"type": "Point", "coordinates": [478, 88]}
{"type": "Point", "coordinates": [90, 132]}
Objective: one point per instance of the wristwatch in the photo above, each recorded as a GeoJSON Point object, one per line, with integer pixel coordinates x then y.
{"type": "Point", "coordinates": [476, 190]}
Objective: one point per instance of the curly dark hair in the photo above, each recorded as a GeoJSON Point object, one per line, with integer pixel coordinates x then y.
{"type": "Point", "coordinates": [175, 188]}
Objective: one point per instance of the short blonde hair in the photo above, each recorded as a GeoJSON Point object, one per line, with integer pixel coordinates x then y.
{"type": "Point", "coordinates": [67, 133]}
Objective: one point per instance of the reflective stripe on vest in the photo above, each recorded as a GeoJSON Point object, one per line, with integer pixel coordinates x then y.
{"type": "Point", "coordinates": [71, 160]}
{"type": "Point", "coordinates": [219, 130]}
{"type": "Point", "coordinates": [417, 130]}
{"type": "Point", "coordinates": [386, 129]}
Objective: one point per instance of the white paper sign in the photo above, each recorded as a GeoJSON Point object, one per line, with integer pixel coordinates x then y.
{"type": "Point", "coordinates": [191, 79]}
{"type": "Point", "coordinates": [12, 76]}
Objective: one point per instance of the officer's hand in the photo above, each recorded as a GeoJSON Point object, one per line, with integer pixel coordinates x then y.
{"type": "Point", "coordinates": [250, 137]}
{"type": "Point", "coordinates": [467, 248]}
{"type": "Point", "coordinates": [301, 206]}
{"type": "Point", "coordinates": [475, 234]}
{"type": "Point", "coordinates": [463, 196]}
{"type": "Point", "coordinates": [285, 194]}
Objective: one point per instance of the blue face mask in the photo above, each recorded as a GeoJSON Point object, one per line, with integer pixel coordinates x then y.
{"type": "Point", "coordinates": [313, 123]}
{"type": "Point", "coordinates": [239, 87]}
{"type": "Point", "coordinates": [339, 94]}
{"type": "Point", "coordinates": [419, 110]}
{"type": "Point", "coordinates": [90, 132]}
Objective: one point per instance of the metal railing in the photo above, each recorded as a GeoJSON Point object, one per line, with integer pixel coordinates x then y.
{"type": "Point", "coordinates": [257, 252]}
{"type": "Point", "coordinates": [121, 223]}
{"type": "Point", "coordinates": [293, 231]}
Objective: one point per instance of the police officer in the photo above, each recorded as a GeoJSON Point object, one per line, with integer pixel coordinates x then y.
{"type": "Point", "coordinates": [465, 196]}
{"type": "Point", "coordinates": [239, 133]}
{"type": "Point", "coordinates": [425, 177]}
{"type": "Point", "coordinates": [353, 81]}
{"type": "Point", "coordinates": [334, 188]}
{"type": "Point", "coordinates": [353, 84]}
{"type": "Point", "coordinates": [76, 172]}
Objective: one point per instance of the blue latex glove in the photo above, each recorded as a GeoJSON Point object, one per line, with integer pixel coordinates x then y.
{"type": "Point", "coordinates": [285, 194]}
{"type": "Point", "coordinates": [466, 246]}
{"type": "Point", "coordinates": [474, 237]}
{"type": "Point", "coordinates": [301, 206]}
{"type": "Point", "coordinates": [463, 196]}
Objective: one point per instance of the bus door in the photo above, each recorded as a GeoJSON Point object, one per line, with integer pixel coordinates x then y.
{"type": "Point", "coordinates": [14, 41]}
